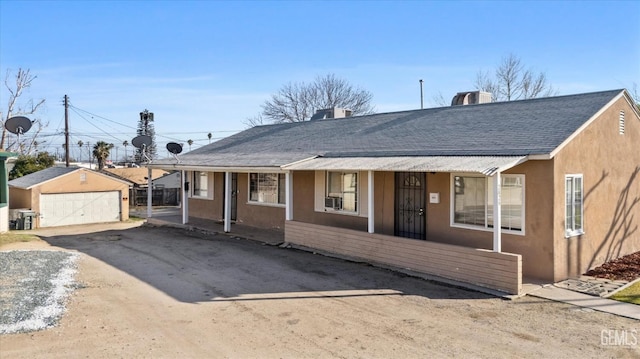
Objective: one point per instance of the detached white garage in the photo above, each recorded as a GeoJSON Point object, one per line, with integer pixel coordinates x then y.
{"type": "Point", "coordinates": [64, 209]}
{"type": "Point", "coordinates": [63, 196]}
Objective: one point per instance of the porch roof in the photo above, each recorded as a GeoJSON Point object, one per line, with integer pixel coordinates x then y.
{"type": "Point", "coordinates": [486, 165]}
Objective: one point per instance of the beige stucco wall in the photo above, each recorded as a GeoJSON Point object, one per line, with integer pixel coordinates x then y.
{"type": "Point", "coordinates": [535, 246]}
{"type": "Point", "coordinates": [70, 183]}
{"type": "Point", "coordinates": [19, 198]}
{"type": "Point", "coordinates": [210, 208]}
{"type": "Point", "coordinates": [304, 210]}
{"type": "Point", "coordinates": [256, 215]}
{"type": "Point", "coordinates": [610, 165]}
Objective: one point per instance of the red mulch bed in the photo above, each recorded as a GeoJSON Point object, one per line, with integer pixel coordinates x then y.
{"type": "Point", "coordinates": [623, 268]}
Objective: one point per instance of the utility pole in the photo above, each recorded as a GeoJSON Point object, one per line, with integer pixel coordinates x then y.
{"type": "Point", "coordinates": [66, 129]}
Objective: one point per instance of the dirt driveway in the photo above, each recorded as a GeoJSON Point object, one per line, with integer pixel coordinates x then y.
{"type": "Point", "coordinates": [170, 293]}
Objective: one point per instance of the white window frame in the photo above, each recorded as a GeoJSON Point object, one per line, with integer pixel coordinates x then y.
{"type": "Point", "coordinates": [572, 230]}
{"type": "Point", "coordinates": [262, 203]}
{"type": "Point", "coordinates": [488, 197]}
{"type": "Point", "coordinates": [357, 192]}
{"type": "Point", "coordinates": [209, 181]}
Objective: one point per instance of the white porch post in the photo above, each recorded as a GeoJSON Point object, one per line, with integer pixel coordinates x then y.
{"type": "Point", "coordinates": [371, 206]}
{"type": "Point", "coordinates": [184, 198]}
{"type": "Point", "coordinates": [289, 196]}
{"type": "Point", "coordinates": [149, 192]}
{"type": "Point", "coordinates": [227, 202]}
{"type": "Point", "coordinates": [497, 213]}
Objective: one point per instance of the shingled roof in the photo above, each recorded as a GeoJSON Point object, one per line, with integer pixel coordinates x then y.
{"type": "Point", "coordinates": [41, 176]}
{"type": "Point", "coordinates": [515, 128]}
{"type": "Point", "coordinates": [37, 178]}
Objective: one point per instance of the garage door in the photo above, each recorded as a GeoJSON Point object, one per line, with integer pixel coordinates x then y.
{"type": "Point", "coordinates": [64, 209]}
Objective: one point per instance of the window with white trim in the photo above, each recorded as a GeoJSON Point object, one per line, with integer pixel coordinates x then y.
{"type": "Point", "coordinates": [472, 204]}
{"type": "Point", "coordinates": [267, 188]}
{"type": "Point", "coordinates": [342, 191]}
{"type": "Point", "coordinates": [200, 184]}
{"type": "Point", "coordinates": [574, 208]}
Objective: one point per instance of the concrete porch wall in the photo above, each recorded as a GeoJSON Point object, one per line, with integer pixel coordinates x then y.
{"type": "Point", "coordinates": [499, 271]}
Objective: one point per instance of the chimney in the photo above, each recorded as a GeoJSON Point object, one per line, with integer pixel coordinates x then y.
{"type": "Point", "coordinates": [471, 98]}
{"type": "Point", "coordinates": [334, 112]}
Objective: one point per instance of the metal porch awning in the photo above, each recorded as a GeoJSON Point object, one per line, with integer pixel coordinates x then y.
{"type": "Point", "coordinates": [486, 165]}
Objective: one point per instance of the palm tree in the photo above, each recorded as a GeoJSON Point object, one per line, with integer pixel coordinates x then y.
{"type": "Point", "coordinates": [125, 144]}
{"type": "Point", "coordinates": [80, 143]}
{"type": "Point", "coordinates": [190, 142]}
{"type": "Point", "coordinates": [101, 152]}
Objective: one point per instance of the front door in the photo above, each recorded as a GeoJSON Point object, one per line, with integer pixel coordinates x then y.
{"type": "Point", "coordinates": [410, 207]}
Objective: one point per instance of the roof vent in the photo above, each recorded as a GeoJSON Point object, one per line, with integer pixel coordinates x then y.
{"type": "Point", "coordinates": [335, 112]}
{"type": "Point", "coordinates": [471, 98]}
{"type": "Point", "coordinates": [621, 122]}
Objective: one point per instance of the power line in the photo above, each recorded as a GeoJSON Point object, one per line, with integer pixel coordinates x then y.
{"type": "Point", "coordinates": [100, 117]}
{"type": "Point", "coordinates": [89, 122]}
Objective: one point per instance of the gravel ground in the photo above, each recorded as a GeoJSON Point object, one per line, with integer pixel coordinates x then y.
{"type": "Point", "coordinates": [33, 297]}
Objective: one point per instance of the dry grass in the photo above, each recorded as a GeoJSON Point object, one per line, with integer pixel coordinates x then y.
{"type": "Point", "coordinates": [12, 237]}
{"type": "Point", "coordinates": [630, 294]}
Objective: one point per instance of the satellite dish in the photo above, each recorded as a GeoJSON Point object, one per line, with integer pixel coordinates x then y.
{"type": "Point", "coordinates": [174, 148]}
{"type": "Point", "coordinates": [141, 141]}
{"type": "Point", "coordinates": [18, 125]}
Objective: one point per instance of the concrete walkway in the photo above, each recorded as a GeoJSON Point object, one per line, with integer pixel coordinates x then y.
{"type": "Point", "coordinates": [593, 302]}
{"type": "Point", "coordinates": [172, 217]}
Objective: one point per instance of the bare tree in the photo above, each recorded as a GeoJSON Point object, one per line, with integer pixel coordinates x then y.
{"type": "Point", "coordinates": [439, 100]}
{"type": "Point", "coordinates": [635, 94]}
{"type": "Point", "coordinates": [512, 81]}
{"type": "Point", "coordinates": [254, 121]}
{"type": "Point", "coordinates": [296, 102]}
{"type": "Point", "coordinates": [15, 86]}
{"type": "Point", "coordinates": [33, 144]}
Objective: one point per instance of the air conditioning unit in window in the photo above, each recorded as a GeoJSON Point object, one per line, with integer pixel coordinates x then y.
{"type": "Point", "coordinates": [333, 202]}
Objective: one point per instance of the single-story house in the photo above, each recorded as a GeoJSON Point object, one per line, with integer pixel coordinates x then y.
{"type": "Point", "coordinates": [61, 196]}
{"type": "Point", "coordinates": [484, 193]}
{"type": "Point", "coordinates": [4, 190]}
{"type": "Point", "coordinates": [138, 179]}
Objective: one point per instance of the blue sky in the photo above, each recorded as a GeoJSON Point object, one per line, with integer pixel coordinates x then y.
{"type": "Point", "coordinates": [206, 66]}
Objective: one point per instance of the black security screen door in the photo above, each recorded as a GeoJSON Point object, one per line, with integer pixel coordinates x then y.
{"type": "Point", "coordinates": [410, 205]}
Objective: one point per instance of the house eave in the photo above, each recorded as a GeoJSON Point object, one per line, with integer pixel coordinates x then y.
{"type": "Point", "coordinates": [239, 169]}
{"type": "Point", "coordinates": [486, 165]}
